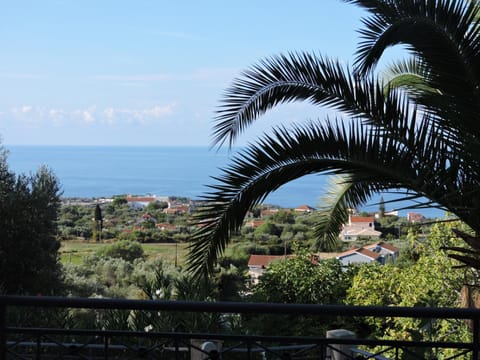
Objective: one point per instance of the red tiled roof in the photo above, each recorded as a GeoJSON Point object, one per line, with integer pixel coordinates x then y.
{"type": "Point", "coordinates": [140, 199]}
{"type": "Point", "coordinates": [263, 260]}
{"type": "Point", "coordinates": [385, 246]}
{"type": "Point", "coordinates": [362, 219]}
{"type": "Point", "coordinates": [362, 251]}
{"type": "Point", "coordinates": [255, 223]}
{"type": "Point", "coordinates": [304, 208]}
{"type": "Point", "coordinates": [368, 253]}
{"type": "Point", "coordinates": [268, 212]}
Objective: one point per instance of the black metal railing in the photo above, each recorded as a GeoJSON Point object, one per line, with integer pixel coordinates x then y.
{"type": "Point", "coordinates": [30, 329]}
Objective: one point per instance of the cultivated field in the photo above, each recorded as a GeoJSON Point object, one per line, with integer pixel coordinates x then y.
{"type": "Point", "coordinates": [75, 251]}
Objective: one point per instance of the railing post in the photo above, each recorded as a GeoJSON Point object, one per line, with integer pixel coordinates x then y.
{"type": "Point", "coordinates": [39, 347]}
{"type": "Point", "coordinates": [3, 330]}
{"type": "Point", "coordinates": [177, 351]}
{"type": "Point", "coordinates": [476, 337]}
{"type": "Point", "coordinates": [105, 347]}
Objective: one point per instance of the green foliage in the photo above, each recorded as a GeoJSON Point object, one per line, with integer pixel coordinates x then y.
{"type": "Point", "coordinates": [299, 280]}
{"type": "Point", "coordinates": [268, 228]}
{"type": "Point", "coordinates": [126, 250]}
{"type": "Point", "coordinates": [430, 281]}
{"type": "Point", "coordinates": [284, 217]}
{"type": "Point", "coordinates": [381, 207]}
{"type": "Point", "coordinates": [29, 262]}
{"type": "Point", "coordinates": [119, 200]}
{"type": "Point", "coordinates": [154, 206]}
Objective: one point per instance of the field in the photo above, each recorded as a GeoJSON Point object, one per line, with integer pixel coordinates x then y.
{"type": "Point", "coordinates": [75, 251]}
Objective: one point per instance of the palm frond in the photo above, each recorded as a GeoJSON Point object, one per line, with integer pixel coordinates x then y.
{"type": "Point", "coordinates": [431, 28]}
{"type": "Point", "coordinates": [408, 74]}
{"type": "Point", "coordinates": [305, 77]}
{"type": "Point", "coordinates": [375, 161]}
{"type": "Point", "coordinates": [467, 261]}
{"type": "Point", "coordinates": [441, 36]}
{"type": "Point", "coordinates": [420, 135]}
{"type": "Point", "coordinates": [342, 195]}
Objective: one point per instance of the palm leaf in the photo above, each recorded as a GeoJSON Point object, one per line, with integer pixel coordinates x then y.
{"type": "Point", "coordinates": [441, 35]}
{"type": "Point", "coordinates": [411, 75]}
{"type": "Point", "coordinates": [366, 154]}
{"type": "Point", "coordinates": [305, 77]}
{"type": "Point", "coordinates": [342, 195]}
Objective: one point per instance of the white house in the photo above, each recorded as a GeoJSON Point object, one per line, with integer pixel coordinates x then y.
{"type": "Point", "coordinates": [359, 226]}
{"type": "Point", "coordinates": [140, 202]}
{"type": "Point", "coordinates": [386, 251]}
{"type": "Point", "coordinates": [380, 252]}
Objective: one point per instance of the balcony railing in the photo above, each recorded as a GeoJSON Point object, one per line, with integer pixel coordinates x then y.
{"type": "Point", "coordinates": [30, 329]}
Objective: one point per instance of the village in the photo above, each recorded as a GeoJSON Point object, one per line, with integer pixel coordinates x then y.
{"type": "Point", "coordinates": [364, 238]}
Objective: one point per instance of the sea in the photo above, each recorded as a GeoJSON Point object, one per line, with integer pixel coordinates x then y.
{"type": "Point", "coordinates": [105, 171]}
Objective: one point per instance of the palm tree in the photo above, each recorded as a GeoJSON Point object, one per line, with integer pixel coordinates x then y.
{"type": "Point", "coordinates": [416, 134]}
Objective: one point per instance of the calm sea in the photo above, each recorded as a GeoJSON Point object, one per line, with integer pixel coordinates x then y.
{"type": "Point", "coordinates": [103, 171]}
{"type": "Point", "coordinates": [97, 171]}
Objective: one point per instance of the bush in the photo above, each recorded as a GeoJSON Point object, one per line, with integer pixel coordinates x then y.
{"type": "Point", "coordinates": [126, 250]}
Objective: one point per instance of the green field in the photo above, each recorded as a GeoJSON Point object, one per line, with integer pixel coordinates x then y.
{"type": "Point", "coordinates": [75, 251]}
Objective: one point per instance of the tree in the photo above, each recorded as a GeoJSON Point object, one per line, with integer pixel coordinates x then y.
{"type": "Point", "coordinates": [298, 280]}
{"type": "Point", "coordinates": [421, 141]}
{"type": "Point", "coordinates": [124, 249]}
{"type": "Point", "coordinates": [427, 282]}
{"type": "Point", "coordinates": [381, 208]}
{"type": "Point", "coordinates": [119, 200]}
{"type": "Point", "coordinates": [29, 205]}
{"type": "Point", "coordinates": [98, 223]}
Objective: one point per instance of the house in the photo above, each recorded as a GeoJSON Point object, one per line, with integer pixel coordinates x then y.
{"type": "Point", "coordinates": [254, 223]}
{"type": "Point", "coordinates": [140, 202]}
{"type": "Point", "coordinates": [304, 209]}
{"type": "Point", "coordinates": [388, 213]}
{"type": "Point", "coordinates": [387, 252]}
{"type": "Point", "coordinates": [380, 252]}
{"type": "Point", "coordinates": [357, 256]}
{"type": "Point", "coordinates": [415, 217]}
{"type": "Point", "coordinates": [177, 210]}
{"type": "Point", "coordinates": [359, 226]}
{"type": "Point", "coordinates": [257, 265]}
{"type": "Point", "coordinates": [268, 212]}
{"type": "Point", "coordinates": [166, 227]}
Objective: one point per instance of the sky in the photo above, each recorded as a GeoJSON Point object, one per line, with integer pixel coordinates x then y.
{"type": "Point", "coordinates": [153, 72]}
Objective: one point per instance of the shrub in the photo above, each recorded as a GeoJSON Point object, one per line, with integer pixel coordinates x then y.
{"type": "Point", "coordinates": [126, 250]}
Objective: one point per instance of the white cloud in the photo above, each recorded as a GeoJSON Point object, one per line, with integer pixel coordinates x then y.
{"type": "Point", "coordinates": [21, 110]}
{"type": "Point", "coordinates": [159, 111]}
{"type": "Point", "coordinates": [91, 115]}
{"type": "Point", "coordinates": [109, 112]}
{"type": "Point", "coordinates": [57, 116]}
{"type": "Point", "coordinates": [25, 109]}
{"type": "Point", "coordinates": [88, 117]}
{"type": "Point", "coordinates": [28, 115]}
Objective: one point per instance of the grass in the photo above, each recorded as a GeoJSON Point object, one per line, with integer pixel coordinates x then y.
{"type": "Point", "coordinates": [75, 251]}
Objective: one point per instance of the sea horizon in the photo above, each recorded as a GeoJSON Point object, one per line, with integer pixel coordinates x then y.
{"type": "Point", "coordinates": [103, 171]}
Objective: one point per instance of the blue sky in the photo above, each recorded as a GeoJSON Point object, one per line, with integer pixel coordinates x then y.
{"type": "Point", "coordinates": [143, 72]}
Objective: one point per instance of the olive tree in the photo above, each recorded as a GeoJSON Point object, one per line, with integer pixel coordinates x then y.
{"type": "Point", "coordinates": [29, 205]}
